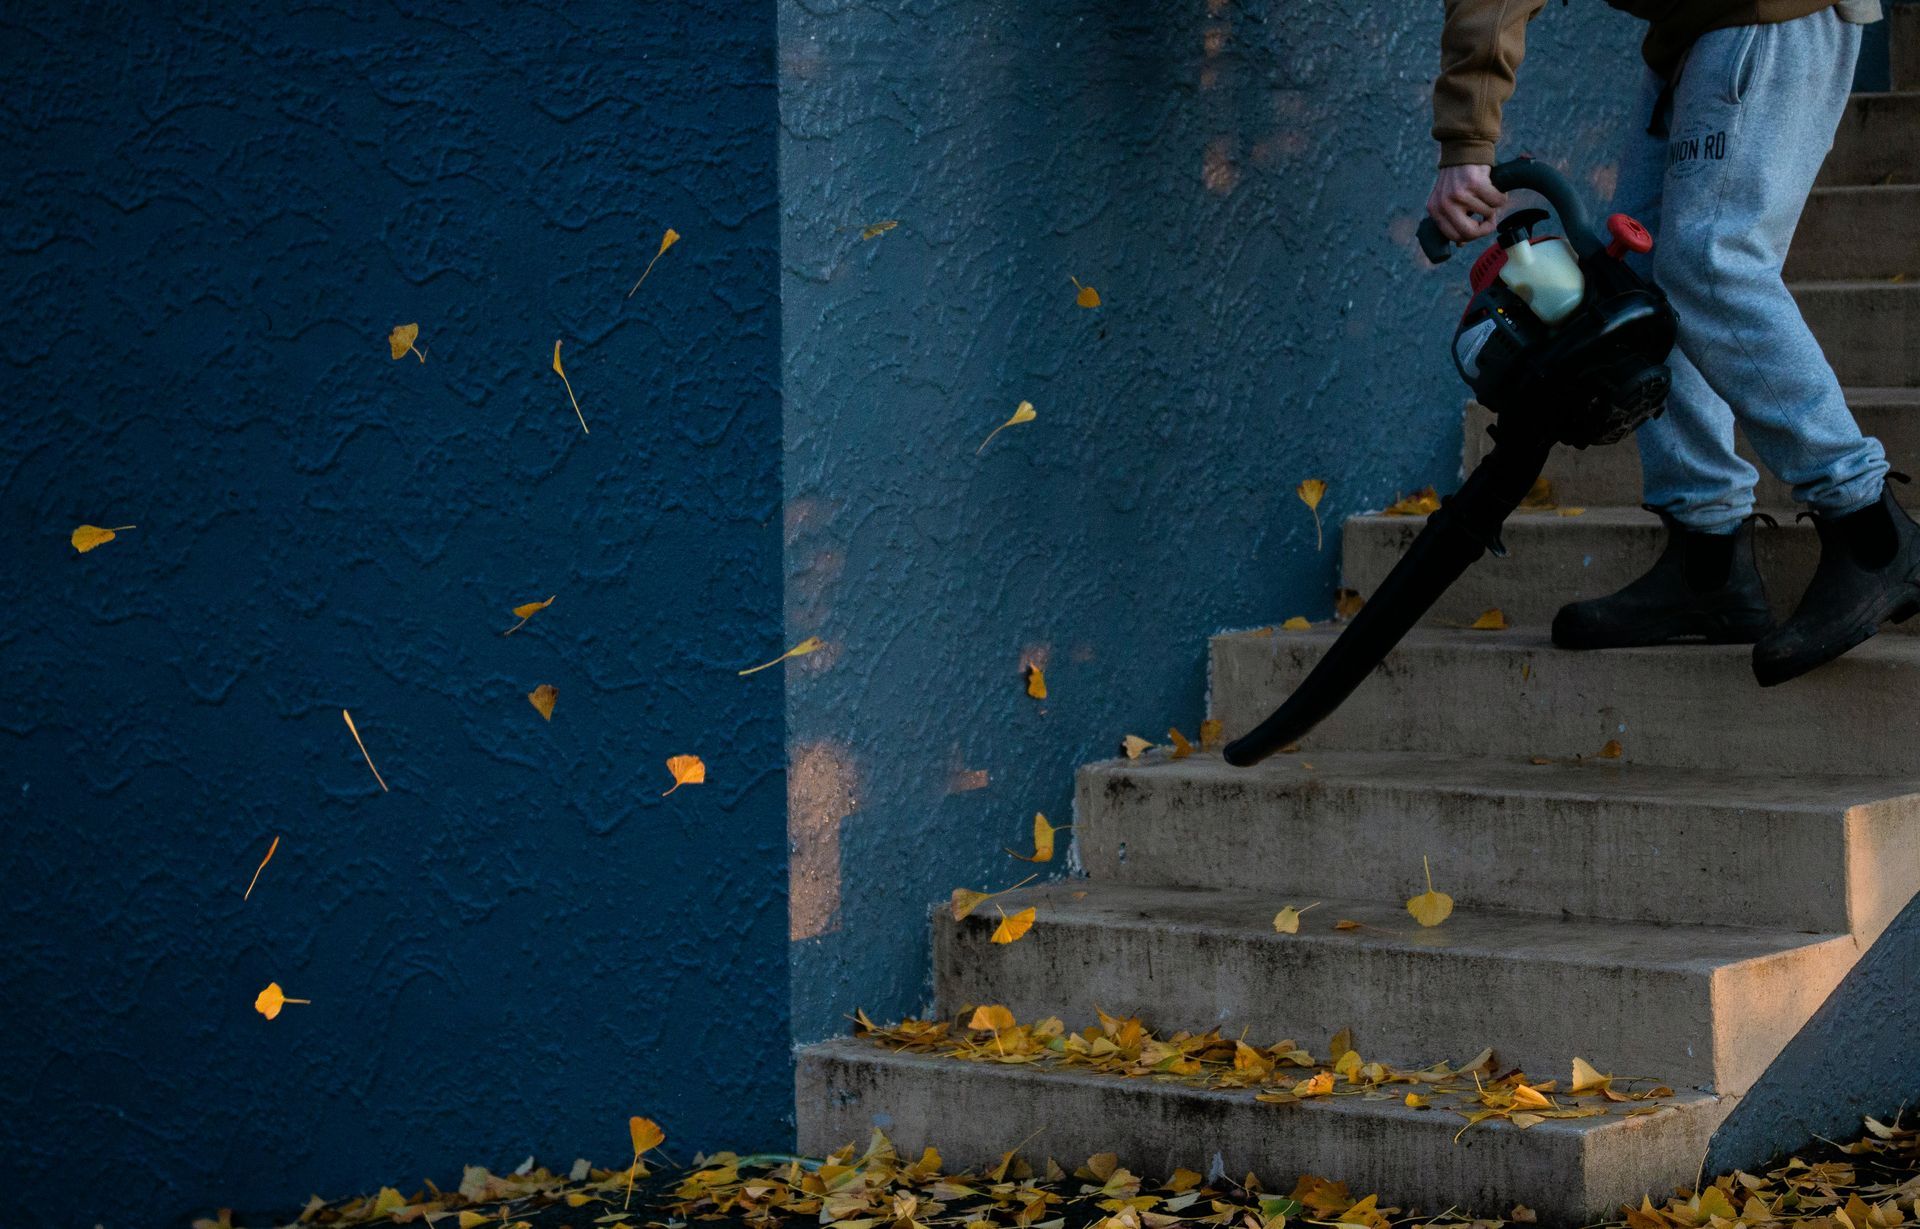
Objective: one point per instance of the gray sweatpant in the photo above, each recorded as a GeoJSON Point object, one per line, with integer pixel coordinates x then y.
{"type": "Point", "coordinates": [1720, 181]}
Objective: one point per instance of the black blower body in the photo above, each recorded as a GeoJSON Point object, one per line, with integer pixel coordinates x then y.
{"type": "Point", "coordinates": [1592, 375]}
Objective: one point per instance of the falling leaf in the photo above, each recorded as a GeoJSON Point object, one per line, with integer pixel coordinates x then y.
{"type": "Point", "coordinates": [1036, 682]}
{"type": "Point", "coordinates": [1181, 747]}
{"type": "Point", "coordinates": [1430, 908]}
{"type": "Point", "coordinates": [1310, 491]}
{"type": "Point", "coordinates": [1210, 733]}
{"type": "Point", "coordinates": [87, 537]}
{"type": "Point", "coordinates": [1022, 413]}
{"type": "Point", "coordinates": [966, 900]}
{"type": "Point", "coordinates": [1133, 745]}
{"type": "Point", "coordinates": [355, 731]}
{"type": "Point", "coordinates": [562, 373]}
{"type": "Point", "coordinates": [542, 698]}
{"type": "Point", "coordinates": [1609, 752]}
{"type": "Point", "coordinates": [1087, 296]}
{"type": "Point", "coordinates": [263, 866]}
{"type": "Point", "coordinates": [878, 229]}
{"type": "Point", "coordinates": [523, 613]}
{"type": "Point", "coordinates": [1491, 620]}
{"type": "Point", "coordinates": [1287, 921]}
{"type": "Point", "coordinates": [993, 1018]}
{"type": "Point", "coordinates": [1042, 839]}
{"type": "Point", "coordinates": [686, 770]}
{"type": "Point", "coordinates": [1421, 503]}
{"type": "Point", "coordinates": [269, 1001]}
{"type": "Point", "coordinates": [666, 241]}
{"type": "Point", "coordinates": [1347, 602]}
{"type": "Point", "coordinates": [401, 340]}
{"type": "Point", "coordinates": [812, 644]}
{"type": "Point", "coordinates": [1296, 624]}
{"type": "Point", "coordinates": [1011, 928]}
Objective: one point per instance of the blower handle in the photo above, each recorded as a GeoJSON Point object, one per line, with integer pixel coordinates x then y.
{"type": "Point", "coordinates": [1535, 177]}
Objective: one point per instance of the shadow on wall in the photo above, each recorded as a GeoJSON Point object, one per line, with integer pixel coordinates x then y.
{"type": "Point", "coordinates": [1240, 183]}
{"type": "Point", "coordinates": [1854, 1058]}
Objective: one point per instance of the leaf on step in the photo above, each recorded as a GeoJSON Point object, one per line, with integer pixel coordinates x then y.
{"type": "Point", "coordinates": [1036, 682]}
{"type": "Point", "coordinates": [1414, 1101]}
{"type": "Point", "coordinates": [1423, 502]}
{"type": "Point", "coordinates": [1210, 731]}
{"type": "Point", "coordinates": [1523, 1214]}
{"type": "Point", "coordinates": [966, 900]}
{"type": "Point", "coordinates": [1571, 511]}
{"type": "Point", "coordinates": [990, 1018]}
{"type": "Point", "coordinates": [1133, 745]}
{"type": "Point", "coordinates": [1024, 412]}
{"type": "Point", "coordinates": [1609, 752]}
{"type": "Point", "coordinates": [1310, 492]}
{"type": "Point", "coordinates": [1013, 927]}
{"type": "Point", "coordinates": [1530, 1097]}
{"type": "Point", "coordinates": [1430, 908]}
{"type": "Point", "coordinates": [1315, 1086]}
{"type": "Point", "coordinates": [1539, 497]}
{"type": "Point", "coordinates": [1347, 603]}
{"type": "Point", "coordinates": [1287, 921]}
{"type": "Point", "coordinates": [1539, 759]}
{"type": "Point", "coordinates": [1181, 747]}
{"type": "Point", "coordinates": [1587, 1078]}
{"type": "Point", "coordinates": [1296, 624]}
{"type": "Point", "coordinates": [1491, 620]}
{"type": "Point", "coordinates": [1346, 924]}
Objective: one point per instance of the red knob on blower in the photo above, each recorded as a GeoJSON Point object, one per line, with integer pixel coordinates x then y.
{"type": "Point", "coordinates": [1628, 236]}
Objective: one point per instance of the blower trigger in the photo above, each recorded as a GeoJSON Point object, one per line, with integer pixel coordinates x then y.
{"type": "Point", "coordinates": [1628, 236]}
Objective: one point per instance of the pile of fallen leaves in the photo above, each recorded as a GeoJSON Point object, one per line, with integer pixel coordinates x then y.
{"type": "Point", "coordinates": [1873, 1183]}
{"type": "Point", "coordinates": [1283, 1073]}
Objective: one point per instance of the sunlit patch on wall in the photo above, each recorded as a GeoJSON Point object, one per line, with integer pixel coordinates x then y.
{"type": "Point", "coordinates": [960, 778]}
{"type": "Point", "coordinates": [1604, 179]}
{"type": "Point", "coordinates": [822, 790]}
{"type": "Point", "coordinates": [1218, 172]}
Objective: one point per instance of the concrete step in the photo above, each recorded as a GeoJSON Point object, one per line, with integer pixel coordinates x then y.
{"type": "Point", "coordinates": [1512, 694]}
{"type": "Point", "coordinates": [1858, 232]}
{"type": "Point", "coordinates": [1869, 330]}
{"type": "Point", "coordinates": [1878, 141]}
{"type": "Point", "coordinates": [1589, 839]}
{"type": "Point", "coordinates": [1556, 559]}
{"type": "Point", "coordinates": [1692, 1006]}
{"type": "Point", "coordinates": [1570, 1171]}
{"type": "Point", "coordinates": [1903, 45]}
{"type": "Point", "coordinates": [1611, 475]}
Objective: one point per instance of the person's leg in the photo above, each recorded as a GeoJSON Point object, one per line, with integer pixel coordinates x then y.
{"type": "Point", "coordinates": [1754, 113]}
{"type": "Point", "coordinates": [1689, 470]}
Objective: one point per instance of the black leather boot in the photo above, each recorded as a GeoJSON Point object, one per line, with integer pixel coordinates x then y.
{"type": "Point", "coordinates": [1869, 573]}
{"type": "Point", "coordinates": [1704, 588]}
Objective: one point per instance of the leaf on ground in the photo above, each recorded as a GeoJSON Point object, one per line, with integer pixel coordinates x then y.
{"type": "Point", "coordinates": [1347, 603]}
{"type": "Point", "coordinates": [401, 340]}
{"type": "Point", "coordinates": [1490, 620]}
{"type": "Point", "coordinates": [1133, 745]}
{"type": "Point", "coordinates": [1571, 511]}
{"type": "Point", "coordinates": [812, 644]}
{"type": "Point", "coordinates": [542, 699]}
{"type": "Point", "coordinates": [1085, 296]}
{"type": "Point", "coordinates": [966, 900]}
{"type": "Point", "coordinates": [1024, 412]}
{"type": "Point", "coordinates": [1181, 747]}
{"type": "Point", "coordinates": [1287, 921]}
{"type": "Point", "coordinates": [1346, 923]}
{"type": "Point", "coordinates": [1539, 497]}
{"type": "Point", "coordinates": [991, 1017]}
{"type": "Point", "coordinates": [686, 770]}
{"type": "Point", "coordinates": [1315, 1086]}
{"type": "Point", "coordinates": [1296, 624]}
{"type": "Point", "coordinates": [525, 612]}
{"type": "Point", "coordinates": [87, 537]}
{"type": "Point", "coordinates": [1609, 752]}
{"type": "Point", "coordinates": [1423, 502]}
{"type": "Point", "coordinates": [1211, 731]}
{"type": "Point", "coordinates": [1014, 926]}
{"type": "Point", "coordinates": [1430, 908]}
{"type": "Point", "coordinates": [1036, 682]}
{"type": "Point", "coordinates": [269, 1001]}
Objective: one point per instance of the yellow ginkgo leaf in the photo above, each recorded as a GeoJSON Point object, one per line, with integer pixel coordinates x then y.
{"type": "Point", "coordinates": [1315, 1086]}
{"type": "Point", "coordinates": [1430, 908]}
{"type": "Point", "coordinates": [523, 613]}
{"type": "Point", "coordinates": [1042, 840]}
{"type": "Point", "coordinates": [401, 340]}
{"type": "Point", "coordinates": [1346, 923]}
{"type": "Point", "coordinates": [269, 1001]}
{"type": "Point", "coordinates": [966, 900]}
{"type": "Point", "coordinates": [472, 1220]}
{"type": "Point", "coordinates": [878, 229]}
{"type": "Point", "coordinates": [355, 731]}
{"type": "Point", "coordinates": [1181, 747]}
{"type": "Point", "coordinates": [1087, 296]}
{"type": "Point", "coordinates": [1296, 624]}
{"type": "Point", "coordinates": [1310, 490]}
{"type": "Point", "coordinates": [666, 241]}
{"type": "Point", "coordinates": [686, 770]}
{"type": "Point", "coordinates": [1024, 412]}
{"type": "Point", "coordinates": [388, 1201]}
{"type": "Point", "coordinates": [1287, 921]}
{"type": "Point", "coordinates": [1133, 745]}
{"type": "Point", "coordinates": [562, 373]}
{"type": "Point", "coordinates": [1530, 1097]}
{"type": "Point", "coordinates": [87, 537]}
{"type": "Point", "coordinates": [1491, 620]}
{"type": "Point", "coordinates": [542, 698]}
{"type": "Point", "coordinates": [1587, 1078]}
{"type": "Point", "coordinates": [991, 1017]}
{"type": "Point", "coordinates": [812, 644]}
{"type": "Point", "coordinates": [1011, 928]}
{"type": "Point", "coordinates": [1414, 1101]}
{"type": "Point", "coordinates": [1611, 751]}
{"type": "Point", "coordinates": [1036, 682]}
{"type": "Point", "coordinates": [248, 894]}
{"type": "Point", "coordinates": [1571, 511]}
{"type": "Point", "coordinates": [1423, 502]}
{"type": "Point", "coordinates": [1347, 602]}
{"type": "Point", "coordinates": [1210, 733]}
{"type": "Point", "coordinates": [646, 1134]}
{"type": "Point", "coordinates": [1539, 497]}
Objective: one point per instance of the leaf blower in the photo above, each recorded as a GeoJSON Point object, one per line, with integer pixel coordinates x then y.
{"type": "Point", "coordinates": [1565, 344]}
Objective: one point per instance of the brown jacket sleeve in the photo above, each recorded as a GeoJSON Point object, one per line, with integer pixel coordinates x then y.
{"type": "Point", "coordinates": [1481, 46]}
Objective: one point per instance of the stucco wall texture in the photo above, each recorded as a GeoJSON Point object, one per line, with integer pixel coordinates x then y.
{"type": "Point", "coordinates": [212, 216]}
{"type": "Point", "coordinates": [1240, 182]}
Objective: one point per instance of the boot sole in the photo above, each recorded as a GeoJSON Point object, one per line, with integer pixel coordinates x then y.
{"type": "Point", "coordinates": [1678, 631]}
{"type": "Point", "coordinates": [1773, 673]}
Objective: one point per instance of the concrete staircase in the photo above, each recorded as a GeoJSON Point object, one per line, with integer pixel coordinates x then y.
{"type": "Point", "coordinates": [1678, 912]}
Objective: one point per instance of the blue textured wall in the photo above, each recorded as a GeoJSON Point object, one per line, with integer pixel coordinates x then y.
{"type": "Point", "coordinates": [1241, 182]}
{"type": "Point", "coordinates": [210, 221]}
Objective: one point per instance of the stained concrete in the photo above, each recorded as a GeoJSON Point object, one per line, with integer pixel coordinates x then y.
{"type": "Point", "coordinates": [1874, 143]}
{"type": "Point", "coordinates": [1860, 232]}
